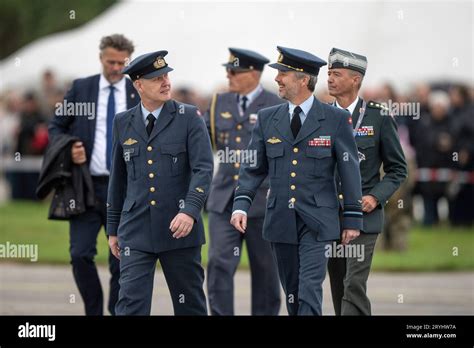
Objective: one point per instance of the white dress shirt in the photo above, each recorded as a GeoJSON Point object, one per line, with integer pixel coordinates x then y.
{"type": "Point", "coordinates": [351, 107]}
{"type": "Point", "coordinates": [98, 164]}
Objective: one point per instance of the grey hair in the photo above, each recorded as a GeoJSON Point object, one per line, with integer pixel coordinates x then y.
{"type": "Point", "coordinates": [312, 80]}
{"type": "Point", "coordinates": [117, 41]}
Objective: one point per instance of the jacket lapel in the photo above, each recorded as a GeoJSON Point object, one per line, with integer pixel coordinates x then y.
{"type": "Point", "coordinates": [282, 123]}
{"type": "Point", "coordinates": [256, 105]}
{"type": "Point", "coordinates": [137, 122]}
{"type": "Point", "coordinates": [356, 113]}
{"type": "Point", "coordinates": [165, 117]}
{"type": "Point", "coordinates": [93, 97]}
{"type": "Point", "coordinates": [234, 108]}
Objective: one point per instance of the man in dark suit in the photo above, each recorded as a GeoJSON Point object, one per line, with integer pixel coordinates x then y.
{"type": "Point", "coordinates": [298, 145]}
{"type": "Point", "coordinates": [161, 173]}
{"type": "Point", "coordinates": [375, 133]}
{"type": "Point", "coordinates": [87, 112]}
{"type": "Point", "coordinates": [230, 121]}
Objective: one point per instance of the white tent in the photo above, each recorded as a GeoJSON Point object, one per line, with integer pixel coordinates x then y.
{"type": "Point", "coordinates": [405, 42]}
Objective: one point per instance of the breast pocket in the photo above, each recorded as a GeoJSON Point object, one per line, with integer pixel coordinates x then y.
{"type": "Point", "coordinates": [320, 161]}
{"type": "Point", "coordinates": [275, 159]}
{"type": "Point", "coordinates": [174, 158]}
{"type": "Point", "coordinates": [130, 157]}
{"type": "Point", "coordinates": [366, 148]}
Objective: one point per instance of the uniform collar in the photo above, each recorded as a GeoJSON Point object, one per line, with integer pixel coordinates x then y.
{"type": "Point", "coordinates": [351, 107]}
{"type": "Point", "coordinates": [146, 112]}
{"type": "Point", "coordinates": [251, 96]}
{"type": "Point", "coordinates": [305, 106]}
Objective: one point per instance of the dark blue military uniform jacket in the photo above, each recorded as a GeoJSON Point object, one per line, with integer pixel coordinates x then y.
{"type": "Point", "coordinates": [302, 173]}
{"type": "Point", "coordinates": [154, 177]}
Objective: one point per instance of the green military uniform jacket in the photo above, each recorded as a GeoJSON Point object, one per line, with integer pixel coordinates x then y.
{"type": "Point", "coordinates": [378, 145]}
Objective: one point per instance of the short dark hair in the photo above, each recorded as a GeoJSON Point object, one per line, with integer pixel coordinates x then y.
{"type": "Point", "coordinates": [117, 41]}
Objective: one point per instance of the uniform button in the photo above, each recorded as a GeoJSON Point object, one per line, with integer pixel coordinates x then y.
{"type": "Point", "coordinates": [152, 189]}
{"type": "Point", "coordinates": [149, 148]}
{"type": "Point", "coordinates": [292, 199]}
{"type": "Point", "coordinates": [341, 196]}
{"type": "Point", "coordinates": [238, 139]}
{"type": "Point", "coordinates": [153, 202]}
{"type": "Point", "coordinates": [151, 175]}
{"type": "Point", "coordinates": [293, 187]}
{"type": "Point", "coordinates": [150, 162]}
{"type": "Point", "coordinates": [239, 127]}
{"type": "Point", "coordinates": [293, 174]}
{"type": "Point", "coordinates": [236, 177]}
{"type": "Point", "coordinates": [295, 150]}
{"type": "Point", "coordinates": [295, 162]}
{"type": "Point", "coordinates": [237, 165]}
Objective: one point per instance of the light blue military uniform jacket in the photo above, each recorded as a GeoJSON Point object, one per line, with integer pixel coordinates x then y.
{"type": "Point", "coordinates": [152, 178]}
{"type": "Point", "coordinates": [301, 173]}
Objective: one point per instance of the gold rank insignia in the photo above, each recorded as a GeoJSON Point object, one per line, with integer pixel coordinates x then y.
{"type": "Point", "coordinates": [273, 140]}
{"type": "Point", "coordinates": [280, 58]}
{"type": "Point", "coordinates": [130, 141]}
{"type": "Point", "coordinates": [159, 63]}
{"type": "Point", "coordinates": [198, 189]}
{"type": "Point", "coordinates": [226, 114]}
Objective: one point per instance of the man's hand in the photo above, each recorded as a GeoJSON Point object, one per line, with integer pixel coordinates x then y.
{"type": "Point", "coordinates": [114, 247]}
{"type": "Point", "coordinates": [348, 235]}
{"type": "Point", "coordinates": [239, 221]}
{"type": "Point", "coordinates": [181, 225]}
{"type": "Point", "coordinates": [78, 153]}
{"type": "Point", "coordinates": [369, 203]}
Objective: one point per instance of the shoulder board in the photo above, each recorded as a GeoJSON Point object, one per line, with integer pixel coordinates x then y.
{"type": "Point", "coordinates": [376, 105]}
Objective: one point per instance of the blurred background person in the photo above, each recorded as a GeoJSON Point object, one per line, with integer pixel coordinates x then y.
{"type": "Point", "coordinates": [108, 93]}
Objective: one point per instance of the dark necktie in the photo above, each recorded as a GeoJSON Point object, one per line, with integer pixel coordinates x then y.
{"type": "Point", "coordinates": [110, 122]}
{"type": "Point", "coordinates": [296, 122]}
{"type": "Point", "coordinates": [244, 103]}
{"type": "Point", "coordinates": [151, 122]}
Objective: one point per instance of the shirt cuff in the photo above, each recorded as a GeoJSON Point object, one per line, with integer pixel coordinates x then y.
{"type": "Point", "coordinates": [239, 211]}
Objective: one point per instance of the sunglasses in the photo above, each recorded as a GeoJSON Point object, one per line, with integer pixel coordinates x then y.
{"type": "Point", "coordinates": [234, 72]}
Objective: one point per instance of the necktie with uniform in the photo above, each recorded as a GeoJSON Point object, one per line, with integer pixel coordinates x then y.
{"type": "Point", "coordinates": [151, 122]}
{"type": "Point", "coordinates": [244, 103]}
{"type": "Point", "coordinates": [295, 124]}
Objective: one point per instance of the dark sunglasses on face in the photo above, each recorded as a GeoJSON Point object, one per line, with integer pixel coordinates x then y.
{"type": "Point", "coordinates": [234, 72]}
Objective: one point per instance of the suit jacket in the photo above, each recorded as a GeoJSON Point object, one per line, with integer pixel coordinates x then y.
{"type": "Point", "coordinates": [72, 182]}
{"type": "Point", "coordinates": [233, 132]}
{"type": "Point", "coordinates": [301, 171]}
{"type": "Point", "coordinates": [152, 178]}
{"type": "Point", "coordinates": [378, 142]}
{"type": "Point", "coordinates": [85, 90]}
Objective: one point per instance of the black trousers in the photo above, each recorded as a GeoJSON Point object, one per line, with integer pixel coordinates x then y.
{"type": "Point", "coordinates": [83, 233]}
